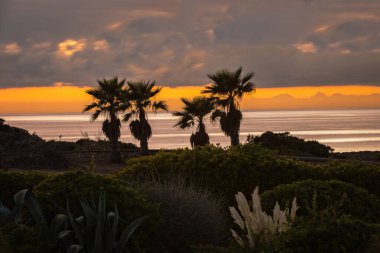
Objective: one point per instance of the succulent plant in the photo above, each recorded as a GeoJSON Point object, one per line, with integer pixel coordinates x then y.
{"type": "Point", "coordinates": [97, 231]}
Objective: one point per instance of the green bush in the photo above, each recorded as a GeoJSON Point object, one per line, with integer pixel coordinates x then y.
{"type": "Point", "coordinates": [223, 171]}
{"type": "Point", "coordinates": [54, 192]}
{"type": "Point", "coordinates": [365, 175]}
{"type": "Point", "coordinates": [334, 196]}
{"type": "Point", "coordinates": [286, 144]}
{"type": "Point", "coordinates": [12, 182]}
{"type": "Point", "coordinates": [327, 235]}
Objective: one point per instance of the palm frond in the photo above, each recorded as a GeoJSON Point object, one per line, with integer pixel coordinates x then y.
{"type": "Point", "coordinates": [159, 105]}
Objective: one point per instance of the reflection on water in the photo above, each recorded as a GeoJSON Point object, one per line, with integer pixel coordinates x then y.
{"type": "Point", "coordinates": [344, 130]}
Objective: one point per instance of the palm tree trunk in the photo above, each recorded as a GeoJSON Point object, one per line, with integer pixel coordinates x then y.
{"type": "Point", "coordinates": [115, 154]}
{"type": "Point", "coordinates": [235, 139]}
{"type": "Point", "coordinates": [144, 137]}
{"type": "Point", "coordinates": [235, 125]}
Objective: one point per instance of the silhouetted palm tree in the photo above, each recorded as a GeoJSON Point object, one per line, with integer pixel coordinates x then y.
{"type": "Point", "coordinates": [140, 95]}
{"type": "Point", "coordinates": [108, 102]}
{"type": "Point", "coordinates": [227, 89]}
{"type": "Point", "coordinates": [193, 113]}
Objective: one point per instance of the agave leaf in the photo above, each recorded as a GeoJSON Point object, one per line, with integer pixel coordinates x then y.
{"type": "Point", "coordinates": [56, 224]}
{"type": "Point", "coordinates": [80, 220]}
{"type": "Point", "coordinates": [19, 199]}
{"type": "Point", "coordinates": [75, 226]}
{"type": "Point", "coordinates": [34, 207]}
{"type": "Point", "coordinates": [65, 237]}
{"type": "Point", "coordinates": [128, 231]}
{"type": "Point", "coordinates": [113, 218]}
{"type": "Point", "coordinates": [89, 213]}
{"type": "Point", "coordinates": [98, 245]}
{"type": "Point", "coordinates": [75, 249]}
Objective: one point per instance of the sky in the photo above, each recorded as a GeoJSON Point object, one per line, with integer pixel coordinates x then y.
{"type": "Point", "coordinates": [327, 51]}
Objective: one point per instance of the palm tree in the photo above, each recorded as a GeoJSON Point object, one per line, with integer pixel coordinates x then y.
{"type": "Point", "coordinates": [194, 112]}
{"type": "Point", "coordinates": [108, 102]}
{"type": "Point", "coordinates": [140, 95]}
{"type": "Point", "coordinates": [227, 89]}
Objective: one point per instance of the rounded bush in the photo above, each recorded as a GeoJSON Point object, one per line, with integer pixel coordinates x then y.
{"type": "Point", "coordinates": [336, 197]}
{"type": "Point", "coordinates": [365, 175]}
{"type": "Point", "coordinates": [59, 189]}
{"type": "Point", "coordinates": [223, 171]}
{"type": "Point", "coordinates": [331, 235]}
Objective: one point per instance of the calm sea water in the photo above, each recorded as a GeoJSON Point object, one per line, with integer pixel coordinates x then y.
{"type": "Point", "coordinates": [344, 130]}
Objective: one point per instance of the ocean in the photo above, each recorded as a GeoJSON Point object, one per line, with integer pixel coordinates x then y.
{"type": "Point", "coordinates": [344, 130]}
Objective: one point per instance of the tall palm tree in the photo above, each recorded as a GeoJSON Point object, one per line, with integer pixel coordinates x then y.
{"type": "Point", "coordinates": [193, 113]}
{"type": "Point", "coordinates": [226, 90]}
{"type": "Point", "coordinates": [140, 95]}
{"type": "Point", "coordinates": [108, 102]}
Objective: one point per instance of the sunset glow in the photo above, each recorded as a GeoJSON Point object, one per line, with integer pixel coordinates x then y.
{"type": "Point", "coordinates": [60, 98]}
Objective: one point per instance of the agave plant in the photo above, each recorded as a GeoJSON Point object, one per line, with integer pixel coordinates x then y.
{"type": "Point", "coordinates": [258, 227]}
{"type": "Point", "coordinates": [97, 231]}
{"type": "Point", "coordinates": [195, 112]}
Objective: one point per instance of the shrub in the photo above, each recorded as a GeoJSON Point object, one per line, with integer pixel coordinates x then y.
{"type": "Point", "coordinates": [12, 182]}
{"type": "Point", "coordinates": [361, 174]}
{"type": "Point", "coordinates": [223, 171]}
{"type": "Point", "coordinates": [327, 235]}
{"type": "Point", "coordinates": [54, 192]}
{"type": "Point", "coordinates": [337, 196]}
{"type": "Point", "coordinates": [189, 216]}
{"type": "Point", "coordinates": [287, 144]}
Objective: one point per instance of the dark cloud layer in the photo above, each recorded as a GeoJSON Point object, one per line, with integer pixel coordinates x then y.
{"type": "Point", "coordinates": [176, 42]}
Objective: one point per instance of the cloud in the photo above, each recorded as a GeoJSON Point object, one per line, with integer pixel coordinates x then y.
{"type": "Point", "coordinates": [11, 49]}
{"type": "Point", "coordinates": [287, 43]}
{"type": "Point", "coordinates": [307, 47]}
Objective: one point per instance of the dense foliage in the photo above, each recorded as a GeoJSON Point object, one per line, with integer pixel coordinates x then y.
{"type": "Point", "coordinates": [340, 235]}
{"type": "Point", "coordinates": [223, 171]}
{"type": "Point", "coordinates": [337, 197]}
{"type": "Point", "coordinates": [361, 174]}
{"type": "Point", "coordinates": [286, 144]}
{"type": "Point", "coordinates": [338, 200]}
{"type": "Point", "coordinates": [55, 190]}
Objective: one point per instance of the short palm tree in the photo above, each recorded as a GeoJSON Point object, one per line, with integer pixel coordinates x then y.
{"type": "Point", "coordinates": [108, 102]}
{"type": "Point", "coordinates": [140, 95]}
{"type": "Point", "coordinates": [193, 113]}
{"type": "Point", "coordinates": [226, 90]}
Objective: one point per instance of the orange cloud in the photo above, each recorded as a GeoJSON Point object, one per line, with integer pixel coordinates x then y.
{"type": "Point", "coordinates": [309, 47]}
{"type": "Point", "coordinates": [11, 49]}
{"type": "Point", "coordinates": [69, 47]}
{"type": "Point", "coordinates": [63, 98]}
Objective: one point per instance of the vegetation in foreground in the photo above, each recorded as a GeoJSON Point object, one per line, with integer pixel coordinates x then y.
{"type": "Point", "coordinates": [188, 194]}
